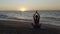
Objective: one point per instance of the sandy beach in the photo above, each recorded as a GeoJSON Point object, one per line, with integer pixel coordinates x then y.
{"type": "Point", "coordinates": [19, 27]}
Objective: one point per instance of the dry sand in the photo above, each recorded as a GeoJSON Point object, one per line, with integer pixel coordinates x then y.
{"type": "Point", "coordinates": [19, 27]}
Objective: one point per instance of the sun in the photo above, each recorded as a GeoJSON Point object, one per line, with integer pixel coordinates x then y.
{"type": "Point", "coordinates": [23, 9]}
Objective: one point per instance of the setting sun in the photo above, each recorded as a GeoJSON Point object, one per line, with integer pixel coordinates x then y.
{"type": "Point", "coordinates": [23, 9]}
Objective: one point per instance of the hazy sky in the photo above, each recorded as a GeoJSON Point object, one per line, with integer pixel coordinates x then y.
{"type": "Point", "coordinates": [31, 4]}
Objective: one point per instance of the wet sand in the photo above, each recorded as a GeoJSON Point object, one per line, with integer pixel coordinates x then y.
{"type": "Point", "coordinates": [18, 27]}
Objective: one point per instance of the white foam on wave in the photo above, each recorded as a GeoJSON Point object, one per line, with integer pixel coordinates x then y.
{"type": "Point", "coordinates": [53, 23]}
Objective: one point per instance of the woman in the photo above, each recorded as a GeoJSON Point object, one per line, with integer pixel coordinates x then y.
{"type": "Point", "coordinates": [36, 18]}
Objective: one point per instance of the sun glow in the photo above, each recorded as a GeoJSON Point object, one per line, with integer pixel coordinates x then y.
{"type": "Point", "coordinates": [23, 9]}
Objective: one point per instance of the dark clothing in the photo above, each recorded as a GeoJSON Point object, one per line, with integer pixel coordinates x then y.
{"type": "Point", "coordinates": [36, 18]}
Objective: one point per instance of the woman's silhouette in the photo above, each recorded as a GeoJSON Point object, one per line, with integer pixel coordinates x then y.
{"type": "Point", "coordinates": [36, 18]}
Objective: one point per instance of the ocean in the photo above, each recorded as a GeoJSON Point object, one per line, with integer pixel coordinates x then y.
{"type": "Point", "coordinates": [46, 16]}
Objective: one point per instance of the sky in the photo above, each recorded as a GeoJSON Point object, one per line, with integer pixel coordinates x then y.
{"type": "Point", "coordinates": [30, 4]}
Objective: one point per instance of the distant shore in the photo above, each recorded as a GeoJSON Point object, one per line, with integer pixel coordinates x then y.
{"type": "Point", "coordinates": [23, 27]}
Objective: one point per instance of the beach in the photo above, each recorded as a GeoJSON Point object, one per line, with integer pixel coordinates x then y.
{"type": "Point", "coordinates": [19, 27]}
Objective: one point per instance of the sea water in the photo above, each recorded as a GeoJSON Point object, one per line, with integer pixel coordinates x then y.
{"type": "Point", "coordinates": [46, 16]}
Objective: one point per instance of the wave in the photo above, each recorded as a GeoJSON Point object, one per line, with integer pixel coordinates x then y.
{"type": "Point", "coordinates": [3, 16]}
{"type": "Point", "coordinates": [52, 18]}
{"type": "Point", "coordinates": [6, 17]}
{"type": "Point", "coordinates": [18, 18]}
{"type": "Point", "coordinates": [55, 20]}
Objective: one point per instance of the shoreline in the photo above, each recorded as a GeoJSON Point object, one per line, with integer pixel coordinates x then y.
{"type": "Point", "coordinates": [18, 27]}
{"type": "Point", "coordinates": [27, 23]}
